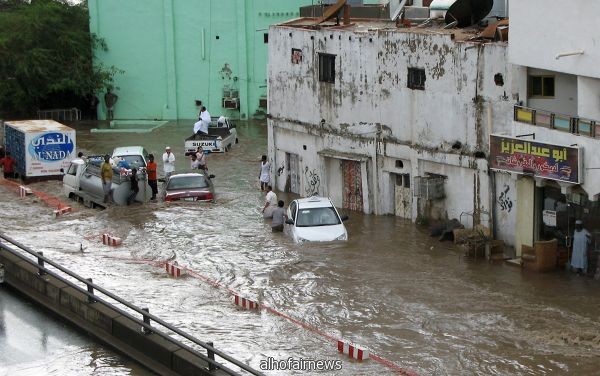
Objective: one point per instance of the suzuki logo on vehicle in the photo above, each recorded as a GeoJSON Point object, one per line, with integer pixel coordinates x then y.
{"type": "Point", "coordinates": [51, 147]}
{"type": "Point", "coordinates": [204, 143]}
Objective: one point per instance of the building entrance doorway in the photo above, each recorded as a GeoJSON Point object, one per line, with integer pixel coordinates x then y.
{"type": "Point", "coordinates": [292, 166]}
{"type": "Point", "coordinates": [402, 196]}
{"type": "Point", "coordinates": [352, 188]}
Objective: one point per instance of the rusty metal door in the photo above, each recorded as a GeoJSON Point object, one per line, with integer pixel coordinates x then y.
{"type": "Point", "coordinates": [293, 173]}
{"type": "Point", "coordinates": [403, 197]}
{"type": "Point", "coordinates": [352, 189]}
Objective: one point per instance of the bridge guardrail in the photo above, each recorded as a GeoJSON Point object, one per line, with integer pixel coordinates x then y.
{"type": "Point", "coordinates": [145, 323]}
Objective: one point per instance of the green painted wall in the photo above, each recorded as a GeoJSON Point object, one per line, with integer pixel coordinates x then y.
{"type": "Point", "coordinates": [171, 55]}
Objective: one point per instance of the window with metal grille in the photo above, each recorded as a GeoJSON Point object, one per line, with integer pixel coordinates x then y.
{"type": "Point", "coordinates": [327, 68]}
{"type": "Point", "coordinates": [416, 78]}
{"type": "Point", "coordinates": [541, 86]}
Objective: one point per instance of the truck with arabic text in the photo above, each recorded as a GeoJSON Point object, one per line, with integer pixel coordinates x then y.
{"type": "Point", "coordinates": [41, 148]}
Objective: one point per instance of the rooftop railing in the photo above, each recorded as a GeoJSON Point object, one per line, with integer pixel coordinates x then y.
{"type": "Point", "coordinates": [60, 114]}
{"type": "Point", "coordinates": [559, 122]}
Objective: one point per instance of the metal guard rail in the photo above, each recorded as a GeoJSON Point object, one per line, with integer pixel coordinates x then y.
{"type": "Point", "coordinates": [145, 323]}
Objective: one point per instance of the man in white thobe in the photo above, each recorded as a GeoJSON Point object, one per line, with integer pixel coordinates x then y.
{"type": "Point", "coordinates": [581, 240]}
{"type": "Point", "coordinates": [197, 126]}
{"type": "Point", "coordinates": [168, 162]}
{"type": "Point", "coordinates": [270, 203]}
{"type": "Point", "coordinates": [205, 120]}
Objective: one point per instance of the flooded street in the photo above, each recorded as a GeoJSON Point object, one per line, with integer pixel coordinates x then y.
{"type": "Point", "coordinates": [409, 299]}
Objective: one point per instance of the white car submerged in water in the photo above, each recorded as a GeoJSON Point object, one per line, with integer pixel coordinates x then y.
{"type": "Point", "coordinates": [315, 219]}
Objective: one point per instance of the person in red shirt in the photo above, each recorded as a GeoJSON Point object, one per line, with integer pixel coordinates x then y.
{"type": "Point", "coordinates": [8, 165]}
{"type": "Point", "coordinates": [152, 178]}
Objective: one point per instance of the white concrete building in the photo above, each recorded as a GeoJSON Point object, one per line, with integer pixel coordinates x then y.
{"type": "Point", "coordinates": [559, 92]}
{"type": "Point", "coordinates": [387, 120]}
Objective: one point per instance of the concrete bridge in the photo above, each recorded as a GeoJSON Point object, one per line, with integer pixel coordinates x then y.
{"type": "Point", "coordinates": [130, 330]}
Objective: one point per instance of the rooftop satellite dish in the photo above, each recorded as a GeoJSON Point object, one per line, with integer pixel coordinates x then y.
{"type": "Point", "coordinates": [468, 12]}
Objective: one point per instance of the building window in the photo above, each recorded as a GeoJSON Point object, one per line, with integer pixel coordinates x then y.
{"type": "Point", "coordinates": [416, 78]}
{"type": "Point", "coordinates": [541, 86]}
{"type": "Point", "coordinates": [266, 37]}
{"type": "Point", "coordinates": [327, 68]}
{"type": "Point", "coordinates": [296, 56]}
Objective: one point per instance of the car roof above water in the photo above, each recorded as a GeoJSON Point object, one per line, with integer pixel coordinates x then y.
{"type": "Point", "coordinates": [188, 174]}
{"type": "Point", "coordinates": [314, 202]}
{"type": "Point", "coordinates": [128, 150]}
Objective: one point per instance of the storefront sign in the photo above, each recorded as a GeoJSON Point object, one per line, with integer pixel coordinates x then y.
{"type": "Point", "coordinates": [549, 218]}
{"type": "Point", "coordinates": [535, 158]}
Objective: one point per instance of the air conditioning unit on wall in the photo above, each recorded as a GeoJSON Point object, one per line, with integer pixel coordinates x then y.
{"type": "Point", "coordinates": [429, 187]}
{"type": "Point", "coordinates": [262, 103]}
{"type": "Point", "coordinates": [231, 103]}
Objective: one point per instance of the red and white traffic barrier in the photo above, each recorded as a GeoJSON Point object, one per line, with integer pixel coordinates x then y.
{"type": "Point", "coordinates": [24, 191]}
{"type": "Point", "coordinates": [353, 351]}
{"type": "Point", "coordinates": [63, 210]}
{"type": "Point", "coordinates": [174, 269]}
{"type": "Point", "coordinates": [111, 240]}
{"type": "Point", "coordinates": [245, 303]}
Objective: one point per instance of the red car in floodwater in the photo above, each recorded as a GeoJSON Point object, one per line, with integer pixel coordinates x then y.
{"type": "Point", "coordinates": [189, 187]}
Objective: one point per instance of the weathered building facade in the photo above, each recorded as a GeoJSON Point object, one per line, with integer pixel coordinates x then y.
{"type": "Point", "coordinates": [547, 167]}
{"type": "Point", "coordinates": [387, 120]}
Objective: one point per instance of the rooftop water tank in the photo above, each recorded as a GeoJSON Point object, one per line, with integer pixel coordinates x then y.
{"type": "Point", "coordinates": [438, 8]}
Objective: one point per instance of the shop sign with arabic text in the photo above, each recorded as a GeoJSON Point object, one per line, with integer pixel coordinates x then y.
{"type": "Point", "coordinates": [546, 161]}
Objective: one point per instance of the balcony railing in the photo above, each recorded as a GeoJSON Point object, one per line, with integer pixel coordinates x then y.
{"type": "Point", "coordinates": [564, 123]}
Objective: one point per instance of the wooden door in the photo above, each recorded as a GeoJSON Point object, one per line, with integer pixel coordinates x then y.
{"type": "Point", "coordinates": [293, 173]}
{"type": "Point", "coordinates": [352, 185]}
{"type": "Point", "coordinates": [403, 197]}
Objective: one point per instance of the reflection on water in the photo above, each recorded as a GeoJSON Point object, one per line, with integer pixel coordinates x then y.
{"type": "Point", "coordinates": [391, 288]}
{"type": "Point", "coordinates": [35, 343]}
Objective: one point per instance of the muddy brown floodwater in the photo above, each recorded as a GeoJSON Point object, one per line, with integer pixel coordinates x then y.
{"type": "Point", "coordinates": [391, 288]}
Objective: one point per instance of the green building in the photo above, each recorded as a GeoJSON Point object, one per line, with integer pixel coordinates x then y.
{"type": "Point", "coordinates": [173, 52]}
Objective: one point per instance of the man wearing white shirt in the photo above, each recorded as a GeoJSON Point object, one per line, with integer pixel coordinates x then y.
{"type": "Point", "coordinates": [205, 120]}
{"type": "Point", "coordinates": [270, 203]}
{"type": "Point", "coordinates": [168, 162]}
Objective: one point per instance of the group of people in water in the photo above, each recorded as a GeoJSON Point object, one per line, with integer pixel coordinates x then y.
{"type": "Point", "coordinates": [273, 208]}
{"type": "Point", "coordinates": [106, 174]}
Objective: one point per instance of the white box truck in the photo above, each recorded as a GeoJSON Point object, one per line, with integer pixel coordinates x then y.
{"type": "Point", "coordinates": [41, 148]}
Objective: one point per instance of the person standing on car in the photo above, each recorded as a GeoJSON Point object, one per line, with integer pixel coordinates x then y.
{"type": "Point", "coordinates": [152, 168]}
{"type": "Point", "coordinates": [270, 203]}
{"type": "Point", "coordinates": [106, 172]}
{"type": "Point", "coordinates": [265, 173]}
{"type": "Point", "coordinates": [168, 162]}
{"type": "Point", "coordinates": [133, 180]}
{"type": "Point", "coordinates": [279, 217]}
